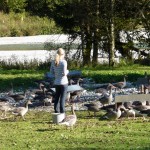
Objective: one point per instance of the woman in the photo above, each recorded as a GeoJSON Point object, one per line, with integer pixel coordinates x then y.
{"type": "Point", "coordinates": [59, 70]}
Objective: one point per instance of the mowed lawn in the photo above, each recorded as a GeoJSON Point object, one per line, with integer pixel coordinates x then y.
{"type": "Point", "coordinates": [38, 132]}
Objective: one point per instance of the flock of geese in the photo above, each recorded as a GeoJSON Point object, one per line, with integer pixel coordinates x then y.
{"type": "Point", "coordinates": [44, 95]}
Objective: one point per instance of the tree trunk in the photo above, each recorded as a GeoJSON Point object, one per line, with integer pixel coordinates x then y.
{"type": "Point", "coordinates": [87, 50]}
{"type": "Point", "coordinates": [95, 39]}
{"type": "Point", "coordinates": [112, 36]}
{"type": "Point", "coordinates": [95, 49]}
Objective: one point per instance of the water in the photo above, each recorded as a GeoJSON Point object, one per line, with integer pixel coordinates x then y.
{"type": "Point", "coordinates": [26, 55]}
{"type": "Point", "coordinates": [28, 48]}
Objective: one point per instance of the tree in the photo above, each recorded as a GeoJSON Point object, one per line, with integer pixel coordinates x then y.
{"type": "Point", "coordinates": [17, 6]}
{"type": "Point", "coordinates": [97, 22]}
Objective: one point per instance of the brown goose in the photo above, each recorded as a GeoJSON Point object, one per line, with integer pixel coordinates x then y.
{"type": "Point", "coordinates": [21, 111]}
{"type": "Point", "coordinates": [70, 120]}
{"type": "Point", "coordinates": [140, 107]}
{"type": "Point", "coordinates": [113, 115]}
{"type": "Point", "coordinates": [93, 107]}
{"type": "Point", "coordinates": [121, 85]}
{"type": "Point", "coordinates": [40, 89]}
{"type": "Point", "coordinates": [17, 97]}
{"type": "Point", "coordinates": [4, 108]}
{"type": "Point", "coordinates": [105, 90]}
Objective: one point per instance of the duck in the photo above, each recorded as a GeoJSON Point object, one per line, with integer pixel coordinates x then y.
{"type": "Point", "coordinates": [93, 107]}
{"type": "Point", "coordinates": [106, 99]}
{"type": "Point", "coordinates": [21, 111]}
{"type": "Point", "coordinates": [69, 120]}
{"type": "Point", "coordinates": [113, 114]}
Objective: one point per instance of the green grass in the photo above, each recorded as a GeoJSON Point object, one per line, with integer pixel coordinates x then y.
{"type": "Point", "coordinates": [26, 78]}
{"type": "Point", "coordinates": [38, 132]}
{"type": "Point", "coordinates": [19, 78]}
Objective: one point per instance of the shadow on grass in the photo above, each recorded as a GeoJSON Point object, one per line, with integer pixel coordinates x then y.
{"type": "Point", "coordinates": [48, 129]}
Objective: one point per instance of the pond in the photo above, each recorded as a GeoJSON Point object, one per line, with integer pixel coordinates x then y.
{"type": "Point", "coordinates": [28, 48]}
{"type": "Point", "coordinates": [25, 55]}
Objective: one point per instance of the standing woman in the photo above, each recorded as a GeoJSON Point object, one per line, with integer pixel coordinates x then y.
{"type": "Point", "coordinates": [59, 70]}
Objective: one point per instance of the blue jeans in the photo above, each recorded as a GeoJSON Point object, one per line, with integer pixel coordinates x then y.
{"type": "Point", "coordinates": [60, 98]}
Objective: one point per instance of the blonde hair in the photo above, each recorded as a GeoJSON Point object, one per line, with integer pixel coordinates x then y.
{"type": "Point", "coordinates": [59, 54]}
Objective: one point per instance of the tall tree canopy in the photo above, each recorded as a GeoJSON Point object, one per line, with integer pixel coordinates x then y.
{"type": "Point", "coordinates": [98, 23]}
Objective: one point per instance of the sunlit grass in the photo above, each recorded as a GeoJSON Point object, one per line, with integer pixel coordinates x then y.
{"type": "Point", "coordinates": [26, 78]}
{"type": "Point", "coordinates": [38, 132]}
{"type": "Point", "coordinates": [19, 78]}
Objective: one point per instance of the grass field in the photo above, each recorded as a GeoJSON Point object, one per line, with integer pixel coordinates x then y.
{"type": "Point", "coordinates": [39, 133]}
{"type": "Point", "coordinates": [25, 78]}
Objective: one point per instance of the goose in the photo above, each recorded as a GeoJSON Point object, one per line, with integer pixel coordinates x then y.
{"type": "Point", "coordinates": [129, 112]}
{"type": "Point", "coordinates": [104, 90]}
{"type": "Point", "coordinates": [79, 81]}
{"type": "Point", "coordinates": [39, 90]}
{"type": "Point", "coordinates": [68, 96]}
{"type": "Point", "coordinates": [70, 120]}
{"type": "Point", "coordinates": [137, 110]}
{"type": "Point", "coordinates": [4, 99]}
{"type": "Point", "coordinates": [71, 82]}
{"type": "Point", "coordinates": [93, 107]}
{"type": "Point", "coordinates": [113, 114]}
{"type": "Point", "coordinates": [21, 111]}
{"type": "Point", "coordinates": [121, 85]}
{"type": "Point", "coordinates": [101, 91]}
{"type": "Point", "coordinates": [75, 81]}
{"type": "Point", "coordinates": [47, 100]}
{"type": "Point", "coordinates": [140, 107]}
{"type": "Point", "coordinates": [106, 99]}
{"type": "Point", "coordinates": [17, 97]}
{"type": "Point", "coordinates": [145, 112]}
{"type": "Point", "coordinates": [4, 108]}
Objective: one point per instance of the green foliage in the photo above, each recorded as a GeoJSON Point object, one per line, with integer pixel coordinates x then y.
{"type": "Point", "coordinates": [17, 6]}
{"type": "Point", "coordinates": [38, 132]}
{"type": "Point", "coordinates": [22, 24]}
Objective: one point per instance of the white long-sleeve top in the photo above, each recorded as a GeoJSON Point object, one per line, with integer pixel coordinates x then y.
{"type": "Point", "coordinates": [60, 72]}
